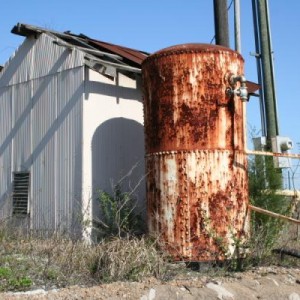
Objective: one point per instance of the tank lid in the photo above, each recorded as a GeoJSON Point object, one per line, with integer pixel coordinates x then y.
{"type": "Point", "coordinates": [191, 48]}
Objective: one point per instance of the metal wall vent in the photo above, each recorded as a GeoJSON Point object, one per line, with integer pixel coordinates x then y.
{"type": "Point", "coordinates": [20, 193]}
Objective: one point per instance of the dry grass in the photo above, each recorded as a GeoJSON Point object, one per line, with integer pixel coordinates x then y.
{"type": "Point", "coordinates": [27, 263]}
{"type": "Point", "coordinates": [126, 259]}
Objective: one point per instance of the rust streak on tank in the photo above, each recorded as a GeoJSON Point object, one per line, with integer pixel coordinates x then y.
{"type": "Point", "coordinates": [197, 190]}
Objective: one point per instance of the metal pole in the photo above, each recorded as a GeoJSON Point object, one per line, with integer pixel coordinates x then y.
{"type": "Point", "coordinates": [237, 25]}
{"type": "Point", "coordinates": [272, 66]}
{"type": "Point", "coordinates": [272, 178]}
{"type": "Point", "coordinates": [259, 70]}
{"type": "Point", "coordinates": [221, 23]}
{"type": "Point", "coordinates": [271, 117]}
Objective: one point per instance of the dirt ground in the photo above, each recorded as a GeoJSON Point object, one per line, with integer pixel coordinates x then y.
{"type": "Point", "coordinates": [257, 283]}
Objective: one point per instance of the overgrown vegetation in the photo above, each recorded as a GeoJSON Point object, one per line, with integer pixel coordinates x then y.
{"type": "Point", "coordinates": [264, 181]}
{"type": "Point", "coordinates": [27, 262]}
{"type": "Point", "coordinates": [10, 280]}
{"type": "Point", "coordinates": [121, 253]}
{"type": "Point", "coordinates": [118, 214]}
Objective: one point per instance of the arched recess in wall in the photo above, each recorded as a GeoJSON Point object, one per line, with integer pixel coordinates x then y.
{"type": "Point", "coordinates": [118, 149]}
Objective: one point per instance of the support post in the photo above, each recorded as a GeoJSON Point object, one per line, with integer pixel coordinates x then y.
{"type": "Point", "coordinates": [221, 23]}
{"type": "Point", "coordinates": [237, 26]}
{"type": "Point", "coordinates": [267, 70]}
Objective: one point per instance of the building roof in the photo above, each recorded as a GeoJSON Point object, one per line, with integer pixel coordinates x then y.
{"type": "Point", "coordinates": [132, 55]}
{"type": "Point", "coordinates": [98, 52]}
{"type": "Point", "coordinates": [100, 55]}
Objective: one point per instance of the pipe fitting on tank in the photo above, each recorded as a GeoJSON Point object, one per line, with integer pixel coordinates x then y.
{"type": "Point", "coordinates": [242, 91]}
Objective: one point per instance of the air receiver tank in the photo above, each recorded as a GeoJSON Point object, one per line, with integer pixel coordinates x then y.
{"type": "Point", "coordinates": [197, 187]}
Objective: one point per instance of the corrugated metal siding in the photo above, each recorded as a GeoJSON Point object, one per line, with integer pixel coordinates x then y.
{"type": "Point", "coordinates": [5, 150]}
{"type": "Point", "coordinates": [41, 92]}
{"type": "Point", "coordinates": [37, 58]}
{"type": "Point", "coordinates": [50, 58]}
{"type": "Point", "coordinates": [69, 148]}
{"type": "Point", "coordinates": [17, 68]}
{"type": "Point", "coordinates": [56, 143]}
{"type": "Point", "coordinates": [44, 101]}
{"type": "Point", "coordinates": [21, 133]}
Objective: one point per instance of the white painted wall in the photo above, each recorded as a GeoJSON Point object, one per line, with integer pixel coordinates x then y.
{"type": "Point", "coordinates": [113, 136]}
{"type": "Point", "coordinates": [74, 129]}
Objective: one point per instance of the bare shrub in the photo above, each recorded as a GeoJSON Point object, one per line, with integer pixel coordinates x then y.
{"type": "Point", "coordinates": [126, 259]}
{"type": "Point", "coordinates": [120, 213]}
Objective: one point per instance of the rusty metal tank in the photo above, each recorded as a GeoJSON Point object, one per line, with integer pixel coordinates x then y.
{"type": "Point", "coordinates": [197, 186]}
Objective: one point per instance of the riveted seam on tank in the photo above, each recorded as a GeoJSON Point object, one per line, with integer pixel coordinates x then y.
{"type": "Point", "coordinates": [184, 151]}
{"type": "Point", "coordinates": [156, 56]}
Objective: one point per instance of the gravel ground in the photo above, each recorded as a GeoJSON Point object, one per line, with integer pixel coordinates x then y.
{"type": "Point", "coordinates": [258, 283]}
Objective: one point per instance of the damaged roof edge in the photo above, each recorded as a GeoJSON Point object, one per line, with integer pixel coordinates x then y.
{"type": "Point", "coordinates": [133, 57]}
{"type": "Point", "coordinates": [119, 56]}
{"type": "Point", "coordinates": [27, 30]}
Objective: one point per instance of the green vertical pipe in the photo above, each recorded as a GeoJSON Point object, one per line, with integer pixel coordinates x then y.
{"type": "Point", "coordinates": [266, 62]}
{"type": "Point", "coordinates": [259, 69]}
{"type": "Point", "coordinates": [273, 178]}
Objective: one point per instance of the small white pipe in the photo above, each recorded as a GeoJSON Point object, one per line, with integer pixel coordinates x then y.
{"type": "Point", "coordinates": [276, 154]}
{"type": "Point", "coordinates": [272, 214]}
{"type": "Point", "coordinates": [237, 26]}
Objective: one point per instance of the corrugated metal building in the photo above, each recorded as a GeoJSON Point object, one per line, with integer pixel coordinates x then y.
{"type": "Point", "coordinates": [71, 117]}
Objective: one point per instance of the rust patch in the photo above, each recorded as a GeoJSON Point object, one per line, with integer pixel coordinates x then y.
{"type": "Point", "coordinates": [197, 184]}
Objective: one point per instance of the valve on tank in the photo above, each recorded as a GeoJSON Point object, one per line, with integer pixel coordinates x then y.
{"type": "Point", "coordinates": [241, 91]}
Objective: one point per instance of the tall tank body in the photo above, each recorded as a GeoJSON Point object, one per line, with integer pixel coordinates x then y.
{"type": "Point", "coordinates": [197, 187]}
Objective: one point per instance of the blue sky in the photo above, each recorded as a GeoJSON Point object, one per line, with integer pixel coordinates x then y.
{"type": "Point", "coordinates": [156, 24]}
